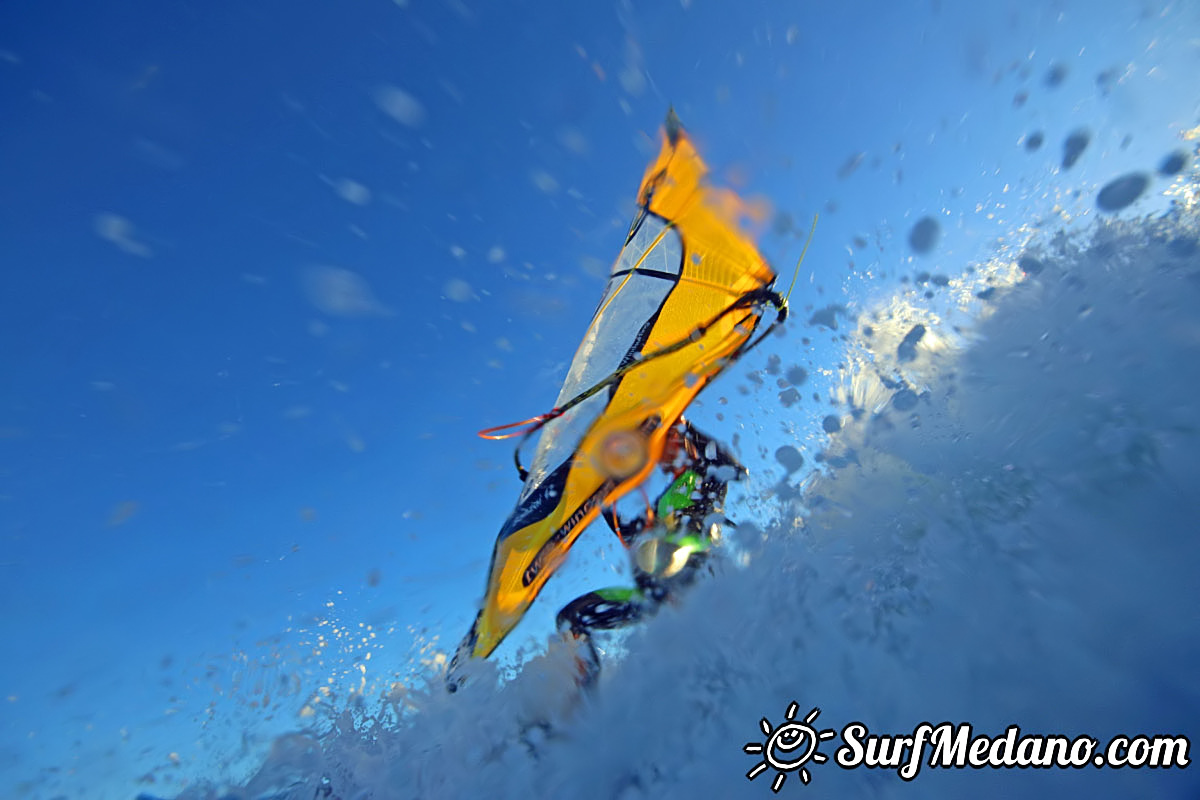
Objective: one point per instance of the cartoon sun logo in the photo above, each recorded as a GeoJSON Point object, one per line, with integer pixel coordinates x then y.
{"type": "Point", "coordinates": [789, 747]}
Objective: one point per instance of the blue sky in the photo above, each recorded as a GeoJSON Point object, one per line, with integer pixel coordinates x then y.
{"type": "Point", "coordinates": [270, 265]}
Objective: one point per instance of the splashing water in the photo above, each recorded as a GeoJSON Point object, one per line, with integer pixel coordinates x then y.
{"type": "Point", "coordinates": [1000, 532]}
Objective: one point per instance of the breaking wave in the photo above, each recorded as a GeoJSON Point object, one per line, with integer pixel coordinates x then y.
{"type": "Point", "coordinates": [1000, 531]}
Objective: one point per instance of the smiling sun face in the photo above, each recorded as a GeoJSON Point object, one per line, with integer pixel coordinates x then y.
{"type": "Point", "coordinates": [789, 747]}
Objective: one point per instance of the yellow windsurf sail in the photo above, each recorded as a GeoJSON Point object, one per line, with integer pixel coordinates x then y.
{"type": "Point", "coordinates": [683, 300]}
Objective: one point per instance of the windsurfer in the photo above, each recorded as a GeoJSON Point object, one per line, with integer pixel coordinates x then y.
{"type": "Point", "coordinates": [669, 546]}
{"type": "Point", "coordinates": [684, 300]}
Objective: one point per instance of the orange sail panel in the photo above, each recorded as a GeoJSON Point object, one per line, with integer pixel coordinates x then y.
{"type": "Point", "coordinates": [683, 299]}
